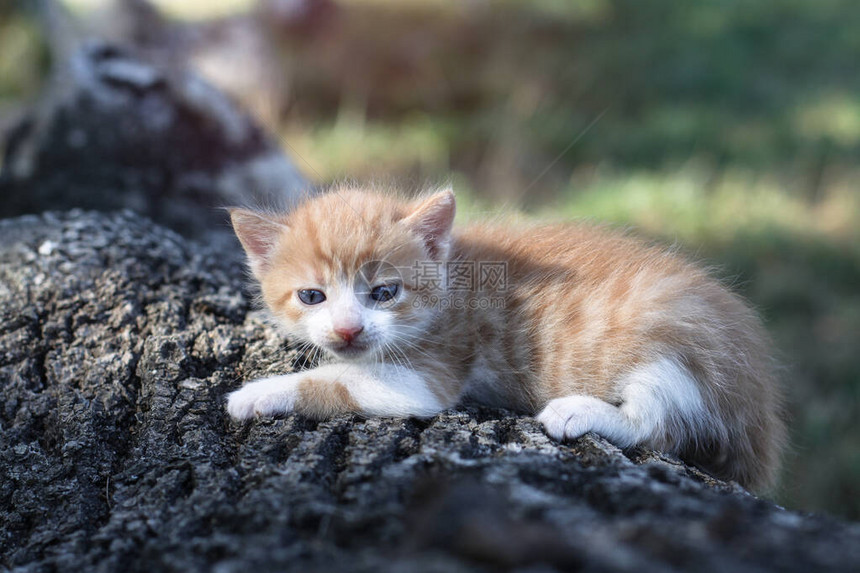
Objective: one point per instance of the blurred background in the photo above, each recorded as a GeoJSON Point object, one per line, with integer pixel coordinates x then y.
{"type": "Point", "coordinates": [728, 127]}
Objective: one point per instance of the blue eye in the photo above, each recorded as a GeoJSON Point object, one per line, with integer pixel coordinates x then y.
{"type": "Point", "coordinates": [311, 296]}
{"type": "Point", "coordinates": [384, 293]}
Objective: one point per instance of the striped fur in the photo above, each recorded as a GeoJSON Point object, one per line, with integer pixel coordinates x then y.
{"type": "Point", "coordinates": [593, 331]}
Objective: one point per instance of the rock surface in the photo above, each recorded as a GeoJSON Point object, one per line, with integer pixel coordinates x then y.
{"type": "Point", "coordinates": [115, 131]}
{"type": "Point", "coordinates": [118, 342]}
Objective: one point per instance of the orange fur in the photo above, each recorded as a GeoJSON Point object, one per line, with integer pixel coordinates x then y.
{"type": "Point", "coordinates": [584, 307]}
{"type": "Point", "coordinates": [320, 399]}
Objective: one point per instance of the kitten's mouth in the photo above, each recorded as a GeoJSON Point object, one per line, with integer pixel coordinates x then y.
{"type": "Point", "coordinates": [350, 349]}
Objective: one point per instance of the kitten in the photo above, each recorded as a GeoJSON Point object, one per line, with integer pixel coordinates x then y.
{"type": "Point", "coordinates": [588, 328]}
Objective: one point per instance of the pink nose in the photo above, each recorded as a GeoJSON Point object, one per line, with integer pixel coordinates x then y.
{"type": "Point", "coordinates": [348, 333]}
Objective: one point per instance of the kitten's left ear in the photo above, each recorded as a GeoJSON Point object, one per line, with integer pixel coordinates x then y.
{"type": "Point", "coordinates": [431, 220]}
{"type": "Point", "coordinates": [258, 235]}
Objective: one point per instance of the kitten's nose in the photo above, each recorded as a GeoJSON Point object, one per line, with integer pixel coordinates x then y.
{"type": "Point", "coordinates": [348, 333]}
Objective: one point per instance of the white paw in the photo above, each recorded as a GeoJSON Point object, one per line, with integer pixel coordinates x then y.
{"type": "Point", "coordinates": [267, 397]}
{"type": "Point", "coordinates": [573, 416]}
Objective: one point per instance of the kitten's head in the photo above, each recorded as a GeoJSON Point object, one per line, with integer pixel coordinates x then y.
{"type": "Point", "coordinates": [339, 270]}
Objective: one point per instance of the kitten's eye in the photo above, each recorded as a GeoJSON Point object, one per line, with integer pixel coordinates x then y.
{"type": "Point", "coordinates": [384, 293]}
{"type": "Point", "coordinates": [311, 296]}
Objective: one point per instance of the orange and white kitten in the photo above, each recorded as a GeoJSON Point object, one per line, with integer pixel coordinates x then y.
{"type": "Point", "coordinates": [587, 328]}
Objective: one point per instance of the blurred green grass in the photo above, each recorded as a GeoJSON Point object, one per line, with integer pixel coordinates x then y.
{"type": "Point", "coordinates": [729, 127]}
{"type": "Point", "coordinates": [23, 58]}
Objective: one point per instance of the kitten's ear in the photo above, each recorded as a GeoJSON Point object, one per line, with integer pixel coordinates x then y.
{"type": "Point", "coordinates": [432, 219]}
{"type": "Point", "coordinates": [258, 235]}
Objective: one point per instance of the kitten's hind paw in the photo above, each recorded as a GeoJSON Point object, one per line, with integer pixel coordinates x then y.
{"type": "Point", "coordinates": [573, 416]}
{"type": "Point", "coordinates": [267, 397]}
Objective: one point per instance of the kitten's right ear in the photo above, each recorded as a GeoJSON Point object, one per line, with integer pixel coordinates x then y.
{"type": "Point", "coordinates": [258, 235]}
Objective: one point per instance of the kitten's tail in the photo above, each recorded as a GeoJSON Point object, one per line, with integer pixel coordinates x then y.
{"type": "Point", "coordinates": [738, 374]}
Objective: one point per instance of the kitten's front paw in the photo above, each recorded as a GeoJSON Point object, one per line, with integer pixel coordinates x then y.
{"type": "Point", "coordinates": [267, 397]}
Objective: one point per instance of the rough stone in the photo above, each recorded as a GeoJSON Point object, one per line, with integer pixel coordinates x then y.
{"type": "Point", "coordinates": [118, 342]}
{"type": "Point", "coordinates": [113, 130]}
